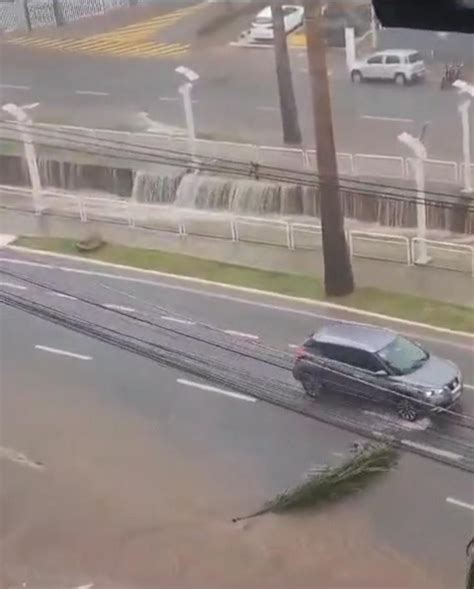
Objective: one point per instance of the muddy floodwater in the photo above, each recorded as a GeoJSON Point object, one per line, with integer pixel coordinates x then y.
{"type": "Point", "coordinates": [115, 505]}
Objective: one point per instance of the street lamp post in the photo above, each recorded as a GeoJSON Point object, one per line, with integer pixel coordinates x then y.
{"type": "Point", "coordinates": [185, 91]}
{"type": "Point", "coordinates": [24, 123]}
{"type": "Point", "coordinates": [464, 108]}
{"type": "Point", "coordinates": [419, 152]}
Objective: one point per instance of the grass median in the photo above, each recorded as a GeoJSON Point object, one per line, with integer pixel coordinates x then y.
{"type": "Point", "coordinates": [403, 306]}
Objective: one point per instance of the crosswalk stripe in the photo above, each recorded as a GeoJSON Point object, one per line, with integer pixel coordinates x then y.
{"type": "Point", "coordinates": [131, 40]}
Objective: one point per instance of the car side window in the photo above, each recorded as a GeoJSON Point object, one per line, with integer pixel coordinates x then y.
{"type": "Point", "coordinates": [391, 59]}
{"type": "Point", "coordinates": [351, 357]}
{"type": "Point", "coordinates": [375, 59]}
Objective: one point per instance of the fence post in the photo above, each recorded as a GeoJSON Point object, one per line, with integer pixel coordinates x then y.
{"type": "Point", "coordinates": [289, 236]}
{"type": "Point", "coordinates": [23, 14]}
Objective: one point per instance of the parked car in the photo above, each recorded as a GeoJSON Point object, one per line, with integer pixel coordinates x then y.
{"type": "Point", "coordinates": [399, 65]}
{"type": "Point", "coordinates": [379, 365]}
{"type": "Point", "coordinates": [262, 27]}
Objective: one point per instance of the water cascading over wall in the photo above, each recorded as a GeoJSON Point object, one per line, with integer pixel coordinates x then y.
{"type": "Point", "coordinates": [177, 187]}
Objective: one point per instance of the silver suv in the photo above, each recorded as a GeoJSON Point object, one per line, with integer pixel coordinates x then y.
{"type": "Point", "coordinates": [377, 364]}
{"type": "Point", "coordinates": [399, 65]}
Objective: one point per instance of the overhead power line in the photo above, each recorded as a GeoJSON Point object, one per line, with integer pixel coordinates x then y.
{"type": "Point", "coordinates": [75, 142]}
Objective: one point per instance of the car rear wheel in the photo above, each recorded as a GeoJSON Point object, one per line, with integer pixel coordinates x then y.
{"type": "Point", "coordinates": [400, 80]}
{"type": "Point", "coordinates": [406, 410]}
{"type": "Point", "coordinates": [311, 386]}
{"type": "Point", "coordinates": [357, 77]}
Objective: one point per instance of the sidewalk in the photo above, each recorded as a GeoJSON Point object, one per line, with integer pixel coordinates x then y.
{"type": "Point", "coordinates": [432, 283]}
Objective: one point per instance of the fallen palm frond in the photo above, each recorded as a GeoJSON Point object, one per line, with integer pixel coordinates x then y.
{"type": "Point", "coordinates": [328, 483]}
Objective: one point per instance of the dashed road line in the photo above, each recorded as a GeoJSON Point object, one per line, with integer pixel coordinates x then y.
{"type": "Point", "coordinates": [19, 458]}
{"type": "Point", "coordinates": [63, 295]}
{"type": "Point", "coordinates": [12, 285]}
{"type": "Point", "coordinates": [177, 320]}
{"type": "Point", "coordinates": [390, 119]}
{"type": "Point", "coordinates": [15, 86]}
{"type": "Point", "coordinates": [205, 387]}
{"type": "Point", "coordinates": [114, 307]}
{"type": "Point", "coordinates": [62, 352]}
{"type": "Point", "coordinates": [432, 450]}
{"type": "Point", "coordinates": [241, 334]}
{"type": "Point", "coordinates": [268, 108]}
{"type": "Point", "coordinates": [469, 386]}
{"type": "Point", "coordinates": [459, 503]}
{"type": "Point", "coordinates": [92, 92]}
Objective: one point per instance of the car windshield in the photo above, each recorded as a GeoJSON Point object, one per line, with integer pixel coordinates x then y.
{"type": "Point", "coordinates": [263, 20]}
{"type": "Point", "coordinates": [414, 57]}
{"type": "Point", "coordinates": [403, 356]}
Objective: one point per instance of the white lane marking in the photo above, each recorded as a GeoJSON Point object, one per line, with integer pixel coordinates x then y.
{"type": "Point", "coordinates": [89, 586]}
{"type": "Point", "coordinates": [419, 425]}
{"type": "Point", "coordinates": [459, 503]}
{"type": "Point", "coordinates": [432, 450]}
{"type": "Point", "coordinates": [391, 119]}
{"type": "Point", "coordinates": [241, 289]}
{"type": "Point", "coordinates": [268, 108]}
{"type": "Point", "coordinates": [26, 263]}
{"type": "Point", "coordinates": [62, 352]}
{"type": "Point", "coordinates": [177, 320]}
{"type": "Point", "coordinates": [114, 307]}
{"type": "Point", "coordinates": [92, 93]}
{"type": "Point", "coordinates": [63, 295]}
{"type": "Point", "coordinates": [18, 457]}
{"type": "Point", "coordinates": [205, 387]}
{"type": "Point", "coordinates": [469, 386]}
{"type": "Point", "coordinates": [15, 86]}
{"type": "Point", "coordinates": [241, 334]}
{"type": "Point", "coordinates": [294, 346]}
{"type": "Point", "coordinates": [12, 285]}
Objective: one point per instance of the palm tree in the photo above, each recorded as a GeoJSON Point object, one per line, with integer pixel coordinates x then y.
{"type": "Point", "coordinates": [288, 108]}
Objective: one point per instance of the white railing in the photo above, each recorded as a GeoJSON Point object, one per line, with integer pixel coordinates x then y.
{"type": "Point", "coordinates": [445, 255]}
{"type": "Point", "coordinates": [380, 246]}
{"type": "Point", "coordinates": [385, 166]}
{"type": "Point", "coordinates": [293, 235]}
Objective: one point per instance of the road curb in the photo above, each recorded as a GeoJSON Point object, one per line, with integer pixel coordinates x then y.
{"type": "Point", "coordinates": [289, 298]}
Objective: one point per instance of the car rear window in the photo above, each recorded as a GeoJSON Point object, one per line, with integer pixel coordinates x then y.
{"type": "Point", "coordinates": [414, 57]}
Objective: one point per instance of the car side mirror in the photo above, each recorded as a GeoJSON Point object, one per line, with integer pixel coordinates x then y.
{"type": "Point", "coordinates": [381, 372]}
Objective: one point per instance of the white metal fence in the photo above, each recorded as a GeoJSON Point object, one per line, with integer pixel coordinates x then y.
{"type": "Point", "coordinates": [289, 234]}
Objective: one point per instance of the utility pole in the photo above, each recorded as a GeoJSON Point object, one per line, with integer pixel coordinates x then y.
{"type": "Point", "coordinates": [286, 92]}
{"type": "Point", "coordinates": [338, 277]}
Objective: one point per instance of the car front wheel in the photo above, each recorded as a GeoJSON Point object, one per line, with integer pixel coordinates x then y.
{"type": "Point", "coordinates": [407, 410]}
{"type": "Point", "coordinates": [357, 77]}
{"type": "Point", "coordinates": [400, 80]}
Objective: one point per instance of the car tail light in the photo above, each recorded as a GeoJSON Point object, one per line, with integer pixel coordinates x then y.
{"type": "Point", "coordinates": [301, 353]}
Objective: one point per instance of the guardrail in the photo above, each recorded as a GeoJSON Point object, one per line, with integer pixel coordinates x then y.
{"type": "Point", "coordinates": [293, 235]}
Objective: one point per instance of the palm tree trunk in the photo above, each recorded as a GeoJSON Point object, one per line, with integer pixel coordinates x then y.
{"type": "Point", "coordinates": [338, 278]}
{"type": "Point", "coordinates": [288, 107]}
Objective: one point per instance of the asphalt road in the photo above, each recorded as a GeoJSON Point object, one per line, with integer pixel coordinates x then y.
{"type": "Point", "coordinates": [235, 98]}
{"type": "Point", "coordinates": [246, 440]}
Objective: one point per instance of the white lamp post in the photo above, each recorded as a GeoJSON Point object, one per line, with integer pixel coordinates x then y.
{"type": "Point", "coordinates": [185, 91]}
{"type": "Point", "coordinates": [23, 123]}
{"type": "Point", "coordinates": [419, 152]}
{"type": "Point", "coordinates": [464, 108]}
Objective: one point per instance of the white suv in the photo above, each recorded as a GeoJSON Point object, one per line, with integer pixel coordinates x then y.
{"type": "Point", "coordinates": [400, 65]}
